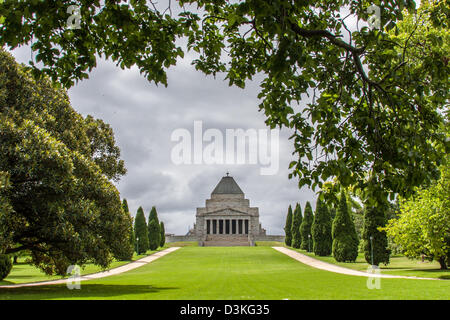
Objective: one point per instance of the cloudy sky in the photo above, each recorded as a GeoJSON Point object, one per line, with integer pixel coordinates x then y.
{"type": "Point", "coordinates": [144, 118]}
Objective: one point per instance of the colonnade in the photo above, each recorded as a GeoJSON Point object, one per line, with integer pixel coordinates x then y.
{"type": "Point", "coordinates": [227, 226]}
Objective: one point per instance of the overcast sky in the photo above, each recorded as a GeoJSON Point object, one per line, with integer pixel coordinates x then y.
{"type": "Point", "coordinates": [144, 117]}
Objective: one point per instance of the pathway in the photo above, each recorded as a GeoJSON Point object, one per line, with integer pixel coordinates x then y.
{"type": "Point", "coordinates": [127, 267]}
{"type": "Point", "coordinates": [337, 269]}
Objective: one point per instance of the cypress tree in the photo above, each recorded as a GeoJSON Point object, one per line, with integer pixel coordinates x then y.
{"type": "Point", "coordinates": [321, 230]}
{"type": "Point", "coordinates": [125, 205]}
{"type": "Point", "coordinates": [154, 233]}
{"type": "Point", "coordinates": [163, 234]}
{"type": "Point", "coordinates": [141, 232]}
{"type": "Point", "coordinates": [153, 215]}
{"type": "Point", "coordinates": [287, 227]}
{"type": "Point", "coordinates": [295, 230]}
{"type": "Point", "coordinates": [305, 228]}
{"type": "Point", "coordinates": [374, 217]}
{"type": "Point", "coordinates": [132, 235]}
{"type": "Point", "coordinates": [345, 239]}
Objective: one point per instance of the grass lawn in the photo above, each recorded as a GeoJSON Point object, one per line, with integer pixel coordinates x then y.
{"type": "Point", "coordinates": [24, 272]}
{"type": "Point", "coordinates": [234, 273]}
{"type": "Point", "coordinates": [399, 265]}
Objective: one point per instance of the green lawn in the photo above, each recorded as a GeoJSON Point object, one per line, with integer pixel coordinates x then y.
{"type": "Point", "coordinates": [399, 265]}
{"type": "Point", "coordinates": [234, 273]}
{"type": "Point", "coordinates": [24, 272]}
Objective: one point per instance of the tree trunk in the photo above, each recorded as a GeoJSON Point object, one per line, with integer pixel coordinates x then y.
{"type": "Point", "coordinates": [15, 260]}
{"type": "Point", "coordinates": [443, 263]}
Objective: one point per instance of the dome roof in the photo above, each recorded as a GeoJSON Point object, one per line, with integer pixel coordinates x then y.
{"type": "Point", "coordinates": [227, 185]}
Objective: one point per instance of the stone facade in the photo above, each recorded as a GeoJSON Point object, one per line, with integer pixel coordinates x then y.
{"type": "Point", "coordinates": [227, 219]}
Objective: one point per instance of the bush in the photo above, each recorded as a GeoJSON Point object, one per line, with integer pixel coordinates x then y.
{"type": "Point", "coordinates": [5, 266]}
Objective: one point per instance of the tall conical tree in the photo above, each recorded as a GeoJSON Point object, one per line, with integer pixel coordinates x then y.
{"type": "Point", "coordinates": [125, 205]}
{"type": "Point", "coordinates": [154, 232]}
{"type": "Point", "coordinates": [153, 215]}
{"type": "Point", "coordinates": [163, 234]}
{"type": "Point", "coordinates": [374, 217]}
{"type": "Point", "coordinates": [296, 222]}
{"type": "Point", "coordinates": [141, 232]}
{"type": "Point", "coordinates": [132, 235]}
{"type": "Point", "coordinates": [321, 230]}
{"type": "Point", "coordinates": [345, 239]}
{"type": "Point", "coordinates": [288, 227]}
{"type": "Point", "coordinates": [305, 228]}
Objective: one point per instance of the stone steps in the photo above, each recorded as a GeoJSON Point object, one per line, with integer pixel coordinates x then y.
{"type": "Point", "coordinates": [213, 243]}
{"type": "Point", "coordinates": [227, 237]}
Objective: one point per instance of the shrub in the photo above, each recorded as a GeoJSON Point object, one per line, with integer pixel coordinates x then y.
{"type": "Point", "coordinates": [5, 266]}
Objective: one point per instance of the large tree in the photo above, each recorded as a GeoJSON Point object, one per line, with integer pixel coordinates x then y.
{"type": "Point", "coordinates": [305, 228]}
{"type": "Point", "coordinates": [288, 227]}
{"type": "Point", "coordinates": [321, 230]}
{"type": "Point", "coordinates": [295, 230]}
{"type": "Point", "coordinates": [375, 93]}
{"type": "Point", "coordinates": [141, 232]}
{"type": "Point", "coordinates": [345, 239]}
{"type": "Point", "coordinates": [61, 204]}
{"type": "Point", "coordinates": [423, 226]}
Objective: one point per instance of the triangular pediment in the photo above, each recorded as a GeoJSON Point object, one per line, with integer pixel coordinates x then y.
{"type": "Point", "coordinates": [226, 212]}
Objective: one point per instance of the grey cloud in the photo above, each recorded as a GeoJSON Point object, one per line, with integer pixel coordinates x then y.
{"type": "Point", "coordinates": [144, 116]}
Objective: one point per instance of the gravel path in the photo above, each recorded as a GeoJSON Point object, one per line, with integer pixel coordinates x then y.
{"type": "Point", "coordinates": [127, 267]}
{"type": "Point", "coordinates": [337, 269]}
